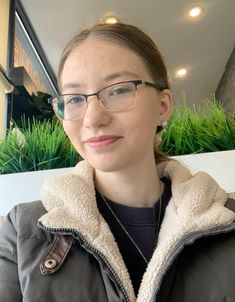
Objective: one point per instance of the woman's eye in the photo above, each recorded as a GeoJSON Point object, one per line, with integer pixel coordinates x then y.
{"type": "Point", "coordinates": [120, 90]}
{"type": "Point", "coordinates": [75, 100]}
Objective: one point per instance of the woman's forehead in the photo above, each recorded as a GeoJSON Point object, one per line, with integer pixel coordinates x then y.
{"type": "Point", "coordinates": [95, 63]}
{"type": "Point", "coordinates": [95, 53]}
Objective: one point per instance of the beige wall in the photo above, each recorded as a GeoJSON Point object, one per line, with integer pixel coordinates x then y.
{"type": "Point", "coordinates": [4, 19]}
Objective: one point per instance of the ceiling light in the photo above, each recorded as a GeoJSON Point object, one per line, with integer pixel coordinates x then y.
{"type": "Point", "coordinates": [195, 11]}
{"type": "Point", "coordinates": [109, 18]}
{"type": "Point", "coordinates": [181, 73]}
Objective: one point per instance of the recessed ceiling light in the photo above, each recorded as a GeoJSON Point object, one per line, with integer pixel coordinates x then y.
{"type": "Point", "coordinates": [109, 18]}
{"type": "Point", "coordinates": [181, 72]}
{"type": "Point", "coordinates": [195, 11]}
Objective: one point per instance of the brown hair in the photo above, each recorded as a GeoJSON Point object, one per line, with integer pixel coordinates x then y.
{"type": "Point", "coordinates": [133, 38]}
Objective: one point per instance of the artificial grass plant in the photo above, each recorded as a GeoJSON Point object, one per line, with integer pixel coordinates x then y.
{"type": "Point", "coordinates": [203, 128]}
{"type": "Point", "coordinates": [37, 146]}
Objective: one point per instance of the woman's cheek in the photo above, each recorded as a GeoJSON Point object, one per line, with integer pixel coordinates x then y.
{"type": "Point", "coordinates": [67, 129]}
{"type": "Point", "coordinates": [71, 128]}
{"type": "Point", "coordinates": [73, 133]}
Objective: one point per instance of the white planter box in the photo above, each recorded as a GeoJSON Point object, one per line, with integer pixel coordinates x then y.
{"type": "Point", "coordinates": [220, 165]}
{"type": "Point", "coordinates": [25, 187]}
{"type": "Point", "coordinates": [22, 187]}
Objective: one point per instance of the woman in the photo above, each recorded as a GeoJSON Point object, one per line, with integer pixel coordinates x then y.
{"type": "Point", "coordinates": [127, 224]}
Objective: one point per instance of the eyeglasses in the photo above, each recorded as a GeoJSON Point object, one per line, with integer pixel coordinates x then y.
{"type": "Point", "coordinates": [116, 97]}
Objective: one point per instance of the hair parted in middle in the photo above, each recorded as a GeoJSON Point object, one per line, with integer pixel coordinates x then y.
{"type": "Point", "coordinates": [129, 36]}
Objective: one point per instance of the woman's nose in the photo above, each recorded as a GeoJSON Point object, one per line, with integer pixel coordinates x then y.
{"type": "Point", "coordinates": [95, 115]}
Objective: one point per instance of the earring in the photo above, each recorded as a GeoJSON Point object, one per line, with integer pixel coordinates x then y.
{"type": "Point", "coordinates": [158, 137]}
{"type": "Point", "coordinates": [162, 127]}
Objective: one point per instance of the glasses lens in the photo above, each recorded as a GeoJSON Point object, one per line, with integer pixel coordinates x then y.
{"type": "Point", "coordinates": [119, 96]}
{"type": "Point", "coordinates": [69, 107]}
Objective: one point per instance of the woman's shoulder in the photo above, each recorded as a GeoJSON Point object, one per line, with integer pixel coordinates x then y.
{"type": "Point", "coordinates": [20, 234]}
{"type": "Point", "coordinates": [28, 211]}
{"type": "Point", "coordinates": [23, 219]}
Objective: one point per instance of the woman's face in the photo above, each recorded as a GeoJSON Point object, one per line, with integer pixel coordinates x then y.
{"type": "Point", "coordinates": [112, 141]}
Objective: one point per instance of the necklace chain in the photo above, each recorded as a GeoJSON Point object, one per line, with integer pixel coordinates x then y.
{"type": "Point", "coordinates": [126, 232]}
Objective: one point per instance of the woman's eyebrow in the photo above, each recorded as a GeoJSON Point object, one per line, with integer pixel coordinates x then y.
{"type": "Point", "coordinates": [120, 74]}
{"type": "Point", "coordinates": [70, 85]}
{"type": "Point", "coordinates": [112, 76]}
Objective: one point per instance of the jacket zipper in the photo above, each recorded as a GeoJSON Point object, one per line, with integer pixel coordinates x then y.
{"type": "Point", "coordinates": [177, 251]}
{"type": "Point", "coordinates": [173, 256]}
{"type": "Point", "coordinates": [89, 247]}
{"type": "Point", "coordinates": [158, 296]}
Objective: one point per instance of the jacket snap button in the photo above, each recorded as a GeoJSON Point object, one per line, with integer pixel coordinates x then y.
{"type": "Point", "coordinates": [50, 263]}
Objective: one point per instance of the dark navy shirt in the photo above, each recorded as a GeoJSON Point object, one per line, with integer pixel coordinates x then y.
{"type": "Point", "coordinates": [141, 224]}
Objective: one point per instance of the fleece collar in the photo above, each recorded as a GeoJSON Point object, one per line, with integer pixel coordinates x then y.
{"type": "Point", "coordinates": [197, 205]}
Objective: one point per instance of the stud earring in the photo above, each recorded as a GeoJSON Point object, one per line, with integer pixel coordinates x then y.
{"type": "Point", "coordinates": [162, 127]}
{"type": "Point", "coordinates": [158, 137]}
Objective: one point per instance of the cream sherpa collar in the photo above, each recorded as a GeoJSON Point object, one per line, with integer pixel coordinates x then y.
{"type": "Point", "coordinates": [197, 204]}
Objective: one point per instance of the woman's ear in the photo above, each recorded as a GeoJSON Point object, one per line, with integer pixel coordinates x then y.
{"type": "Point", "coordinates": [166, 104]}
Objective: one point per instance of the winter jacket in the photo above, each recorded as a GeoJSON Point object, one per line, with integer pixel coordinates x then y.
{"type": "Point", "coordinates": [61, 249]}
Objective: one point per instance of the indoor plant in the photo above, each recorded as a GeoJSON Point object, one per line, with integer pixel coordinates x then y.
{"type": "Point", "coordinates": [198, 129]}
{"type": "Point", "coordinates": [36, 146]}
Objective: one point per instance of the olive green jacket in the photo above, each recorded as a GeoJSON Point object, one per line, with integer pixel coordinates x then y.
{"type": "Point", "coordinates": [61, 248]}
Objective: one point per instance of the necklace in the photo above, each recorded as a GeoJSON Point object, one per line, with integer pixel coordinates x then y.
{"type": "Point", "coordinates": [126, 232]}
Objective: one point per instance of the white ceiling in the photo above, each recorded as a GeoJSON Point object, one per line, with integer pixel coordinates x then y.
{"type": "Point", "coordinates": [203, 46]}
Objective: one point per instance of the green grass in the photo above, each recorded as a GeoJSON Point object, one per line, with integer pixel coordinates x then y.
{"type": "Point", "coordinates": [202, 128]}
{"type": "Point", "coordinates": [41, 147]}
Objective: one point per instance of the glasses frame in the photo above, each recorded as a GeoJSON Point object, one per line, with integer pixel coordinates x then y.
{"type": "Point", "coordinates": [97, 94]}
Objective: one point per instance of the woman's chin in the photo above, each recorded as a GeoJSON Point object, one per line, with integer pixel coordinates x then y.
{"type": "Point", "coordinates": [106, 164]}
{"type": "Point", "coordinates": [106, 167]}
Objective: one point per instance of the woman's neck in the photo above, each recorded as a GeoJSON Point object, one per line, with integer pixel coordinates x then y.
{"type": "Point", "coordinates": [135, 186]}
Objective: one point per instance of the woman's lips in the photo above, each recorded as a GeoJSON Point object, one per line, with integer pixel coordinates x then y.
{"type": "Point", "coordinates": [101, 141]}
